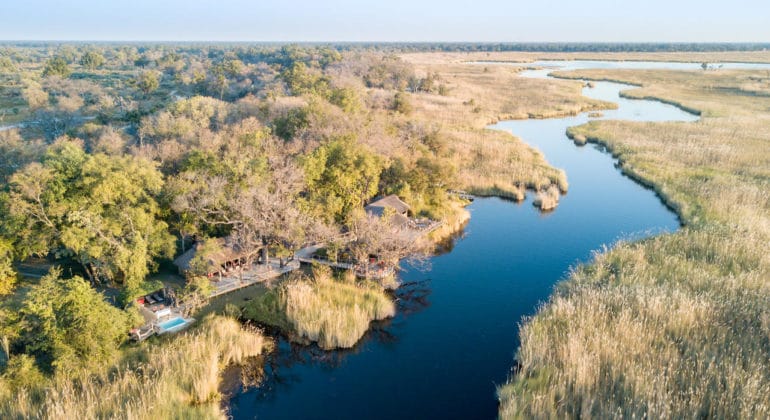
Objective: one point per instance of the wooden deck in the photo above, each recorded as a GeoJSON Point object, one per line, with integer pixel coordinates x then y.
{"type": "Point", "coordinates": [462, 194]}
{"type": "Point", "coordinates": [261, 274]}
{"type": "Point", "coordinates": [305, 256]}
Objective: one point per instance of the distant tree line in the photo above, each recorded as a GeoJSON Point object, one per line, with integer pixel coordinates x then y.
{"type": "Point", "coordinates": [286, 53]}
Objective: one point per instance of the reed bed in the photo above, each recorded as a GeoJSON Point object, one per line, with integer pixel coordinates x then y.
{"type": "Point", "coordinates": [677, 325]}
{"type": "Point", "coordinates": [178, 378]}
{"type": "Point", "coordinates": [332, 313]}
{"type": "Point", "coordinates": [490, 162]}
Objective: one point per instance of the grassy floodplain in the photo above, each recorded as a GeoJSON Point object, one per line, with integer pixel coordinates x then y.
{"type": "Point", "coordinates": [677, 325]}
{"type": "Point", "coordinates": [518, 57]}
{"type": "Point", "coordinates": [493, 163]}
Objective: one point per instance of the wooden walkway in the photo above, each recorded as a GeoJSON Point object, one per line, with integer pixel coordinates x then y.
{"type": "Point", "coordinates": [259, 275]}
{"type": "Point", "coordinates": [462, 194]}
{"type": "Point", "coordinates": [305, 255]}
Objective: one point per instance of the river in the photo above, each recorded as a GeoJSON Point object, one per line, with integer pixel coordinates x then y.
{"type": "Point", "coordinates": [456, 331]}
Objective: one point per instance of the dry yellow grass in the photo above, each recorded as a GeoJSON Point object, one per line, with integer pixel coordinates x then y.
{"type": "Point", "coordinates": [478, 95]}
{"type": "Point", "coordinates": [454, 223]}
{"type": "Point", "coordinates": [491, 162]}
{"type": "Point", "coordinates": [178, 378]}
{"type": "Point", "coordinates": [678, 325]}
{"type": "Point", "coordinates": [330, 312]}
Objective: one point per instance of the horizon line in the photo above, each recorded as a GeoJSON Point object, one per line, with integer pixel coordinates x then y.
{"type": "Point", "coordinates": [389, 42]}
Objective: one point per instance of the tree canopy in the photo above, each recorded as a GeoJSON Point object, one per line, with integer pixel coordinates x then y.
{"type": "Point", "coordinates": [341, 176]}
{"type": "Point", "coordinates": [57, 66]}
{"type": "Point", "coordinates": [66, 324]}
{"type": "Point", "coordinates": [92, 60]}
{"type": "Point", "coordinates": [148, 81]}
{"type": "Point", "coordinates": [99, 209]}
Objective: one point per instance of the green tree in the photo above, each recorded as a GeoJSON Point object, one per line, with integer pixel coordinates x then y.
{"type": "Point", "coordinates": [97, 208]}
{"type": "Point", "coordinates": [92, 60]}
{"type": "Point", "coordinates": [345, 98]}
{"type": "Point", "coordinates": [233, 68]}
{"type": "Point", "coordinates": [303, 80]}
{"type": "Point", "coordinates": [341, 176]}
{"type": "Point", "coordinates": [8, 275]}
{"type": "Point", "coordinates": [6, 64]}
{"type": "Point", "coordinates": [23, 373]}
{"type": "Point", "coordinates": [295, 120]}
{"type": "Point", "coordinates": [66, 324]}
{"type": "Point", "coordinates": [57, 66]}
{"type": "Point", "coordinates": [200, 265]}
{"type": "Point", "coordinates": [148, 81]}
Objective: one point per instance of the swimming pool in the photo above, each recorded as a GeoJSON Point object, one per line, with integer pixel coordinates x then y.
{"type": "Point", "coordinates": [171, 325]}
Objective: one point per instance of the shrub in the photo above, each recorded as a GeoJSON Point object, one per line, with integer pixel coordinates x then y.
{"type": "Point", "coordinates": [57, 66]}
{"type": "Point", "coordinates": [401, 104]}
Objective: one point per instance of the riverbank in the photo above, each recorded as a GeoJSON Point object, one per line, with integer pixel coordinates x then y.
{"type": "Point", "coordinates": [689, 304]}
{"type": "Point", "coordinates": [505, 263]}
{"type": "Point", "coordinates": [488, 162]}
{"type": "Point", "coordinates": [452, 225]}
{"type": "Point", "coordinates": [628, 94]}
{"type": "Point", "coordinates": [331, 312]}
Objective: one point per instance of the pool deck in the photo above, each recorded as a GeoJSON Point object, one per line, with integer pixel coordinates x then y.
{"type": "Point", "coordinates": [228, 284]}
{"type": "Point", "coordinates": [186, 322]}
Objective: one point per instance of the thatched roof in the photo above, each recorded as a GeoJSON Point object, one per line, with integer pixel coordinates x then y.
{"type": "Point", "coordinates": [392, 201]}
{"type": "Point", "coordinates": [229, 251]}
{"type": "Point", "coordinates": [400, 221]}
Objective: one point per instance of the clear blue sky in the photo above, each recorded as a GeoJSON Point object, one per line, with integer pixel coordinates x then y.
{"type": "Point", "coordinates": [387, 20]}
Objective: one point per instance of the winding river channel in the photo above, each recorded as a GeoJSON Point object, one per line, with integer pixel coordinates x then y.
{"type": "Point", "coordinates": [456, 331]}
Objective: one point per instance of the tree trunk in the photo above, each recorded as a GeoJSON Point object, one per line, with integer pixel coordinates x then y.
{"type": "Point", "coordinates": [88, 268]}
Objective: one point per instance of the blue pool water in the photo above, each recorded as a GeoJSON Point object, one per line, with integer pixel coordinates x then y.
{"type": "Point", "coordinates": [171, 324]}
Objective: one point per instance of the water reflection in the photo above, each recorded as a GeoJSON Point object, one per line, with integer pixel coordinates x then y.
{"type": "Point", "coordinates": [456, 329]}
{"type": "Point", "coordinates": [281, 373]}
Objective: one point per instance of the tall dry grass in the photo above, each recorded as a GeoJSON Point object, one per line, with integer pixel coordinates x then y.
{"type": "Point", "coordinates": [489, 162]}
{"type": "Point", "coordinates": [493, 163]}
{"type": "Point", "coordinates": [330, 312]}
{"type": "Point", "coordinates": [678, 325]}
{"type": "Point", "coordinates": [178, 378]}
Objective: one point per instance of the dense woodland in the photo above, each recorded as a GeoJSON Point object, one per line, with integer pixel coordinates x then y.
{"type": "Point", "coordinates": [117, 158]}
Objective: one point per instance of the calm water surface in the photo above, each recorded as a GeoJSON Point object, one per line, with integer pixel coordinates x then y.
{"type": "Point", "coordinates": [456, 331]}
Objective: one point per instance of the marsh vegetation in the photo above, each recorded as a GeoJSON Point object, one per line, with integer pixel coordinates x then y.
{"type": "Point", "coordinates": [177, 377]}
{"type": "Point", "coordinates": [674, 325]}
{"type": "Point", "coordinates": [332, 312]}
